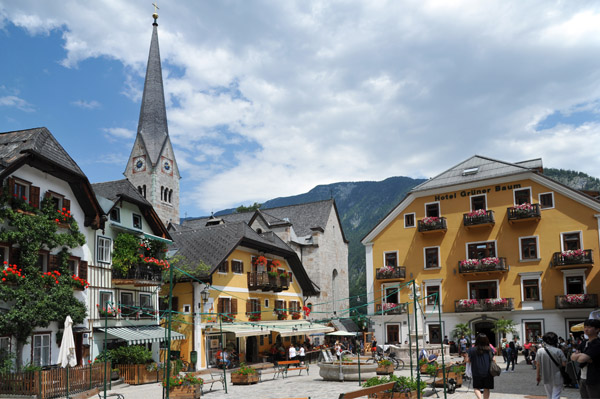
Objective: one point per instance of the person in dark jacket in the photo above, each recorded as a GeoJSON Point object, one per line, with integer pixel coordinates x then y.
{"type": "Point", "coordinates": [511, 350]}
{"type": "Point", "coordinates": [480, 357]}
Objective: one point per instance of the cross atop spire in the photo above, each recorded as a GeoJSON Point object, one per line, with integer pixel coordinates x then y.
{"type": "Point", "coordinates": [155, 15]}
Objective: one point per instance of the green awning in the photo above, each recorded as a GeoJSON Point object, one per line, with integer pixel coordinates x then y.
{"type": "Point", "coordinates": [157, 238]}
{"type": "Point", "coordinates": [240, 330]}
{"type": "Point", "coordinates": [294, 328]}
{"type": "Point", "coordinates": [135, 335]}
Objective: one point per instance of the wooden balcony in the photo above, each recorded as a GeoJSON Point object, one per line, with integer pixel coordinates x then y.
{"type": "Point", "coordinates": [515, 214]}
{"type": "Point", "coordinates": [432, 225]}
{"type": "Point", "coordinates": [484, 305]}
{"type": "Point", "coordinates": [576, 301]}
{"type": "Point", "coordinates": [262, 281]}
{"type": "Point", "coordinates": [140, 275]}
{"type": "Point", "coordinates": [391, 308]}
{"type": "Point", "coordinates": [397, 273]}
{"type": "Point", "coordinates": [473, 220]}
{"type": "Point", "coordinates": [561, 260]}
{"type": "Point", "coordinates": [483, 267]}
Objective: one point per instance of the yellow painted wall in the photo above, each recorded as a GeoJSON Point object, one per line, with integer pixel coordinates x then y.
{"type": "Point", "coordinates": [567, 215]}
{"type": "Point", "coordinates": [182, 323]}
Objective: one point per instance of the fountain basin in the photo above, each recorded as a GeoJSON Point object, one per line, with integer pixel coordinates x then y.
{"type": "Point", "coordinates": [331, 371]}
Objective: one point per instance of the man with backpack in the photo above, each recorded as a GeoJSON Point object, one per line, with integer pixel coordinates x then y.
{"type": "Point", "coordinates": [549, 360]}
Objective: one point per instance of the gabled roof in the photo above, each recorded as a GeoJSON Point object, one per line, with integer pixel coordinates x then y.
{"type": "Point", "coordinates": [123, 190]}
{"type": "Point", "coordinates": [39, 149]}
{"type": "Point", "coordinates": [152, 126]}
{"type": "Point", "coordinates": [213, 244]}
{"type": "Point", "coordinates": [477, 168]}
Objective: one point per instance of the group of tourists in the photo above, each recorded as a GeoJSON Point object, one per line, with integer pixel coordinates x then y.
{"type": "Point", "coordinates": [549, 357]}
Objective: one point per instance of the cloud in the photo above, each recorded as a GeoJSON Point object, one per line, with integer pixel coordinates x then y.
{"type": "Point", "coordinates": [16, 102]}
{"type": "Point", "coordinates": [119, 133]}
{"type": "Point", "coordinates": [86, 104]}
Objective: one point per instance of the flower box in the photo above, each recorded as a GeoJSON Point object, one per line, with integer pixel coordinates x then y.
{"type": "Point", "coordinates": [188, 391]}
{"type": "Point", "coordinates": [244, 379]}
{"type": "Point", "coordinates": [394, 395]}
{"type": "Point", "coordinates": [385, 370]}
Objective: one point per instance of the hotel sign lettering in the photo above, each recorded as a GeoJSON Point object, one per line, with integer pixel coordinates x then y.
{"type": "Point", "coordinates": [476, 191]}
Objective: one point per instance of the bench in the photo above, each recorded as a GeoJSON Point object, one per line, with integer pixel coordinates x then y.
{"type": "Point", "coordinates": [291, 365]}
{"type": "Point", "coordinates": [368, 391]}
{"type": "Point", "coordinates": [215, 375]}
{"type": "Point", "coordinates": [266, 368]}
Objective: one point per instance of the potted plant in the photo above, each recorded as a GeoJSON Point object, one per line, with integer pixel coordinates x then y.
{"type": "Point", "coordinates": [254, 316]}
{"type": "Point", "coordinates": [245, 375]}
{"type": "Point", "coordinates": [114, 374]}
{"type": "Point", "coordinates": [423, 365]}
{"type": "Point", "coordinates": [386, 272]}
{"type": "Point", "coordinates": [573, 254]}
{"type": "Point", "coordinates": [295, 315]}
{"type": "Point", "coordinates": [184, 387]}
{"type": "Point", "coordinates": [385, 367]}
{"type": "Point", "coordinates": [405, 388]}
{"type": "Point", "coordinates": [431, 368]}
{"type": "Point", "coordinates": [281, 315]}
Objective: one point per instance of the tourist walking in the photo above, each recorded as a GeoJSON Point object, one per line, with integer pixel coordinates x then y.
{"type": "Point", "coordinates": [302, 354]}
{"type": "Point", "coordinates": [549, 358]}
{"type": "Point", "coordinates": [292, 352]}
{"type": "Point", "coordinates": [588, 357]}
{"type": "Point", "coordinates": [504, 348]}
{"type": "Point", "coordinates": [511, 357]}
{"type": "Point", "coordinates": [462, 344]}
{"type": "Point", "coordinates": [480, 356]}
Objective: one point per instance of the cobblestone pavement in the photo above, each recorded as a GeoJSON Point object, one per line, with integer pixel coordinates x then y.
{"type": "Point", "coordinates": [518, 384]}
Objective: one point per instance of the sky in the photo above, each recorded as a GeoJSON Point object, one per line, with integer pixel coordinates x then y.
{"type": "Point", "coordinates": [269, 98]}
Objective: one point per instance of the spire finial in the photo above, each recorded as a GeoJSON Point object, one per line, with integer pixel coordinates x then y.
{"type": "Point", "coordinates": [155, 15]}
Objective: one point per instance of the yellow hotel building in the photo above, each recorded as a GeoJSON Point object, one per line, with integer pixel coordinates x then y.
{"type": "Point", "coordinates": [494, 240]}
{"type": "Point", "coordinates": [257, 309]}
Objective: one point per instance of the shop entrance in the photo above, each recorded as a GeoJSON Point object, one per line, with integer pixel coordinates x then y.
{"type": "Point", "coordinates": [487, 328]}
{"type": "Point", "coordinates": [251, 349]}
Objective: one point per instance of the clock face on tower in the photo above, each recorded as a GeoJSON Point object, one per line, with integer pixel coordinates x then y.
{"type": "Point", "coordinates": [139, 164]}
{"type": "Point", "coordinates": [167, 166]}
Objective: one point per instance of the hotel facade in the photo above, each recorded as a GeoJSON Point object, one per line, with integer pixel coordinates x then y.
{"type": "Point", "coordinates": [494, 240]}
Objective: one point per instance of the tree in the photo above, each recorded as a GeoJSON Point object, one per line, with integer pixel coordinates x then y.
{"type": "Point", "coordinates": [460, 330]}
{"type": "Point", "coordinates": [250, 208]}
{"type": "Point", "coordinates": [504, 326]}
{"type": "Point", "coordinates": [36, 299]}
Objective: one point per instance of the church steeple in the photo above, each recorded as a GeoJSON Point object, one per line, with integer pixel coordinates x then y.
{"type": "Point", "coordinates": [152, 167]}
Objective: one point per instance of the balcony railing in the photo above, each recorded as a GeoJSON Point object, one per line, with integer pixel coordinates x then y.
{"type": "Point", "coordinates": [576, 301]}
{"type": "Point", "coordinates": [573, 258]}
{"type": "Point", "coordinates": [391, 308]}
{"type": "Point", "coordinates": [486, 265]}
{"type": "Point", "coordinates": [524, 212]}
{"type": "Point", "coordinates": [484, 305]}
{"type": "Point", "coordinates": [432, 224]}
{"type": "Point", "coordinates": [138, 275]}
{"type": "Point", "coordinates": [396, 273]}
{"type": "Point", "coordinates": [478, 218]}
{"type": "Point", "coordinates": [262, 281]}
{"type": "Point", "coordinates": [136, 311]}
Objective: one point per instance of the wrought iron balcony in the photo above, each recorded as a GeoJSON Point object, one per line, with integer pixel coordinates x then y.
{"type": "Point", "coordinates": [576, 301]}
{"type": "Point", "coordinates": [524, 212]}
{"type": "Point", "coordinates": [263, 281]}
{"type": "Point", "coordinates": [484, 305]}
{"type": "Point", "coordinates": [391, 273]}
{"type": "Point", "coordinates": [143, 274]}
{"type": "Point", "coordinates": [485, 265]}
{"type": "Point", "coordinates": [391, 308]}
{"type": "Point", "coordinates": [576, 258]}
{"type": "Point", "coordinates": [478, 218]}
{"type": "Point", "coordinates": [432, 225]}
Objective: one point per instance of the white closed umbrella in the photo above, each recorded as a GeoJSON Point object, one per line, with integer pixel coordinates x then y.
{"type": "Point", "coordinates": [66, 355]}
{"type": "Point", "coordinates": [342, 334]}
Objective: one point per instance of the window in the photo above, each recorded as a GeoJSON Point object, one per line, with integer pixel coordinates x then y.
{"type": "Point", "coordinates": [127, 301]}
{"type": "Point", "coordinates": [391, 294]}
{"type": "Point", "coordinates": [409, 220]}
{"type": "Point", "coordinates": [73, 265]}
{"type": "Point", "coordinates": [531, 290]}
{"type": "Point", "coordinates": [186, 309]}
{"type": "Point", "coordinates": [115, 215]}
{"type": "Point", "coordinates": [483, 289]}
{"type": "Point", "coordinates": [294, 306]}
{"type": "Point", "coordinates": [435, 333]}
{"type": "Point", "coordinates": [162, 193]}
{"type": "Point", "coordinates": [57, 199]}
{"type": "Point", "coordinates": [20, 190]}
{"type": "Point", "coordinates": [105, 299]}
{"type": "Point", "coordinates": [279, 306]}
{"type": "Point", "coordinates": [266, 303]}
{"type": "Point", "coordinates": [571, 241]}
{"type": "Point", "coordinates": [4, 345]}
{"type": "Point", "coordinates": [41, 349]}
{"type": "Point", "coordinates": [575, 284]}
{"type": "Point", "coordinates": [532, 330]}
{"type": "Point", "coordinates": [237, 266]}
{"type": "Point", "coordinates": [223, 267]}
{"type": "Point", "coordinates": [137, 221]}
{"type": "Point", "coordinates": [522, 196]}
{"type": "Point", "coordinates": [3, 256]}
{"type": "Point", "coordinates": [254, 306]}
{"type": "Point", "coordinates": [432, 209]}
{"type": "Point", "coordinates": [146, 302]}
{"type": "Point", "coordinates": [144, 190]}
{"type": "Point", "coordinates": [478, 202]}
{"type": "Point", "coordinates": [529, 248]}
{"type": "Point", "coordinates": [104, 250]}
{"type": "Point", "coordinates": [546, 200]}
{"type": "Point", "coordinates": [430, 291]}
{"type": "Point", "coordinates": [224, 305]}
{"type": "Point", "coordinates": [480, 250]}
{"type": "Point", "coordinates": [391, 259]}
{"type": "Point", "coordinates": [432, 257]}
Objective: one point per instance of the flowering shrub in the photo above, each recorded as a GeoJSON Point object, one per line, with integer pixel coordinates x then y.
{"type": "Point", "coordinates": [245, 370]}
{"type": "Point", "coordinates": [386, 271]}
{"type": "Point", "coordinates": [523, 208]}
{"type": "Point", "coordinates": [306, 310]}
{"type": "Point", "coordinates": [187, 380]}
{"type": "Point", "coordinates": [260, 261]}
{"type": "Point", "coordinates": [254, 316]}
{"type": "Point", "coordinates": [430, 221]}
{"type": "Point", "coordinates": [387, 306]}
{"type": "Point", "coordinates": [469, 262]}
{"type": "Point", "coordinates": [79, 282]}
{"type": "Point", "coordinates": [491, 261]}
{"type": "Point", "coordinates": [160, 262]}
{"type": "Point", "coordinates": [63, 216]}
{"type": "Point", "coordinates": [476, 213]}
{"type": "Point", "coordinates": [496, 301]}
{"type": "Point", "coordinates": [295, 315]}
{"type": "Point", "coordinates": [468, 303]}
{"type": "Point", "coordinates": [275, 264]}
{"type": "Point", "coordinates": [573, 253]}
{"type": "Point", "coordinates": [51, 277]}
{"type": "Point", "coordinates": [281, 315]}
{"type": "Point", "coordinates": [109, 311]}
{"type": "Point", "coordinates": [11, 274]}
{"type": "Point", "coordinates": [576, 298]}
{"type": "Point", "coordinates": [228, 317]}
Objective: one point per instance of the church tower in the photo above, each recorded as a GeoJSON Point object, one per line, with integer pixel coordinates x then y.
{"type": "Point", "coordinates": [151, 166]}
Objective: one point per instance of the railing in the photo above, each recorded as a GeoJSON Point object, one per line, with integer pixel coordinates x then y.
{"type": "Point", "coordinates": [136, 374]}
{"type": "Point", "coordinates": [397, 272]}
{"type": "Point", "coordinates": [483, 267]}
{"type": "Point", "coordinates": [575, 301]}
{"type": "Point", "coordinates": [558, 259]}
{"type": "Point", "coordinates": [438, 224]}
{"type": "Point", "coordinates": [515, 213]}
{"type": "Point", "coordinates": [484, 305]}
{"type": "Point", "coordinates": [262, 281]}
{"type": "Point", "coordinates": [391, 308]}
{"type": "Point", "coordinates": [55, 382]}
{"type": "Point", "coordinates": [136, 311]}
{"type": "Point", "coordinates": [471, 219]}
{"type": "Point", "coordinates": [138, 273]}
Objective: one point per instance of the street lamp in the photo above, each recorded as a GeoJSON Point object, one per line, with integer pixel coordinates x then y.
{"type": "Point", "coordinates": [205, 294]}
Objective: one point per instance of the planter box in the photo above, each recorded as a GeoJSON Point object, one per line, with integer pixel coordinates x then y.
{"type": "Point", "coordinates": [190, 391]}
{"type": "Point", "coordinates": [244, 379]}
{"type": "Point", "coordinates": [449, 374]}
{"type": "Point", "coordinates": [394, 395]}
{"type": "Point", "coordinates": [114, 375]}
{"type": "Point", "coordinates": [385, 370]}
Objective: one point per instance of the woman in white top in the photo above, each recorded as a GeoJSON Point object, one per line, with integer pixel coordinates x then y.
{"type": "Point", "coordinates": [292, 352]}
{"type": "Point", "coordinates": [547, 368]}
{"type": "Point", "coordinates": [302, 354]}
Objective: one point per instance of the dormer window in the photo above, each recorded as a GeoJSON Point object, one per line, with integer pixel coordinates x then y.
{"type": "Point", "coordinates": [137, 221]}
{"type": "Point", "coordinates": [115, 215]}
{"type": "Point", "coordinates": [470, 171]}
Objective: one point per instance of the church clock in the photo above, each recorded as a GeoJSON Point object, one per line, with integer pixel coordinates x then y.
{"type": "Point", "coordinates": [167, 166]}
{"type": "Point", "coordinates": [139, 164]}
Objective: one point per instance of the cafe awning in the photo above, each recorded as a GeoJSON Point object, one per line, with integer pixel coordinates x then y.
{"type": "Point", "coordinates": [135, 335]}
{"type": "Point", "coordinates": [295, 328]}
{"type": "Point", "coordinates": [240, 330]}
